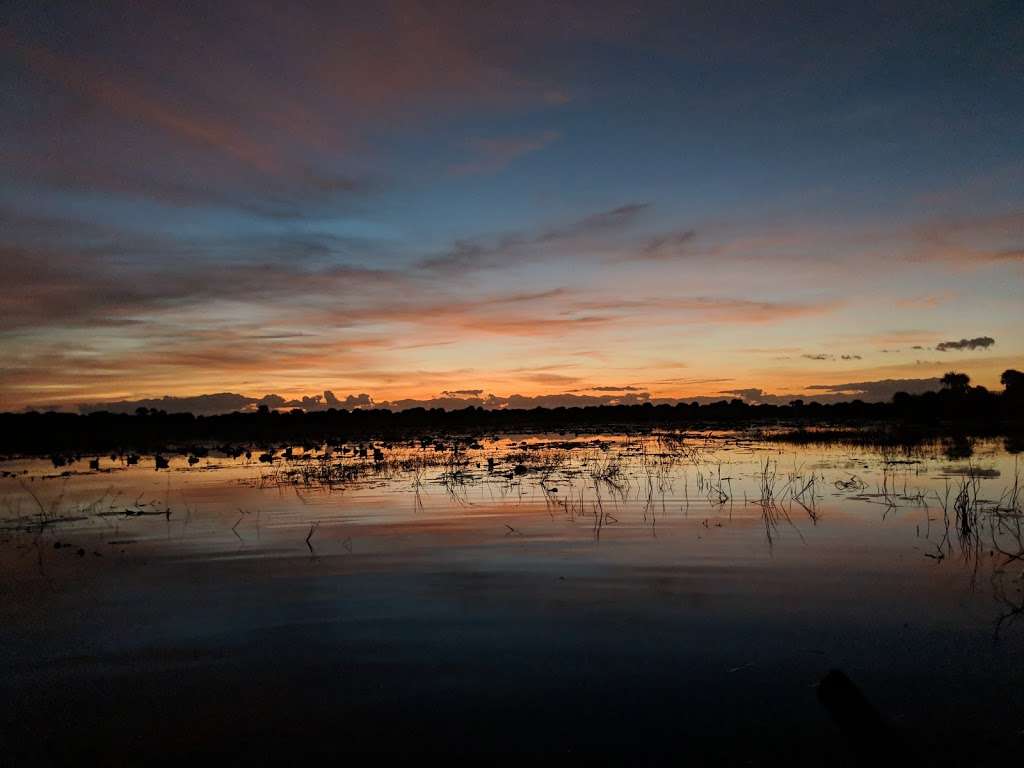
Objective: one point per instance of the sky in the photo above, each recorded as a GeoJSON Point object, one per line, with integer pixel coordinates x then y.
{"type": "Point", "coordinates": [443, 202]}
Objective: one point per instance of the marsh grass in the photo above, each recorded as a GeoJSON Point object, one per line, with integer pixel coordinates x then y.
{"type": "Point", "coordinates": [632, 480]}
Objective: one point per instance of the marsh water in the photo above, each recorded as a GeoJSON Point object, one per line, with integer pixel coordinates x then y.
{"type": "Point", "coordinates": [663, 598]}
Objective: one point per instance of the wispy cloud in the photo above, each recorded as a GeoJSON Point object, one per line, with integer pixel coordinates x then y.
{"type": "Point", "coordinates": [493, 154]}
{"type": "Point", "coordinates": [273, 133]}
{"type": "Point", "coordinates": [672, 245]}
{"type": "Point", "coordinates": [711, 309]}
{"type": "Point", "coordinates": [497, 251]}
{"type": "Point", "coordinates": [926, 301]}
{"type": "Point", "coordinates": [973, 239]}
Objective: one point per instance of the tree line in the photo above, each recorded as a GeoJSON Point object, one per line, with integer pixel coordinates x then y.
{"type": "Point", "coordinates": [956, 407]}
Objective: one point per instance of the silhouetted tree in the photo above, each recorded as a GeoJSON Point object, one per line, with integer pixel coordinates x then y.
{"type": "Point", "coordinates": [958, 409]}
{"type": "Point", "coordinates": [1013, 383]}
{"type": "Point", "coordinates": [956, 382]}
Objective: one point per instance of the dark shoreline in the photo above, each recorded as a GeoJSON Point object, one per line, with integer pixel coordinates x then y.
{"type": "Point", "coordinates": [906, 422]}
{"type": "Point", "coordinates": [958, 411]}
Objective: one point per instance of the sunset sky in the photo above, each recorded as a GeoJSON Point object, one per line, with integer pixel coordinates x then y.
{"type": "Point", "coordinates": [420, 200]}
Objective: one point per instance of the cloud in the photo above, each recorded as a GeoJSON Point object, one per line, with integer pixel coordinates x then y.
{"type": "Point", "coordinates": [603, 221]}
{"type": "Point", "coordinates": [1009, 254]}
{"type": "Point", "coordinates": [166, 312]}
{"type": "Point", "coordinates": [973, 239]}
{"type": "Point", "coordinates": [319, 402]}
{"type": "Point", "coordinates": [90, 368]}
{"type": "Point", "coordinates": [692, 382]}
{"type": "Point", "coordinates": [226, 402]}
{"type": "Point", "coordinates": [102, 276]}
{"type": "Point", "coordinates": [824, 356]}
{"type": "Point", "coordinates": [925, 302]}
{"type": "Point", "coordinates": [92, 289]}
{"type": "Point", "coordinates": [200, 405]}
{"type": "Point", "coordinates": [979, 342]}
{"type": "Point", "coordinates": [909, 336]}
{"type": "Point", "coordinates": [535, 326]}
{"type": "Point", "coordinates": [544, 377]}
{"type": "Point", "coordinates": [361, 400]}
{"type": "Point", "coordinates": [525, 314]}
{"type": "Point", "coordinates": [881, 390]}
{"type": "Point", "coordinates": [877, 391]}
{"type": "Point", "coordinates": [868, 391]}
{"type": "Point", "coordinates": [498, 251]}
{"type": "Point", "coordinates": [201, 131]}
{"type": "Point", "coordinates": [271, 401]}
{"type": "Point", "coordinates": [667, 246]}
{"type": "Point", "coordinates": [713, 309]}
{"type": "Point", "coordinates": [273, 213]}
{"type": "Point", "coordinates": [751, 395]}
{"type": "Point", "coordinates": [568, 400]}
{"type": "Point", "coordinates": [495, 154]}
{"type": "Point", "coordinates": [174, 151]}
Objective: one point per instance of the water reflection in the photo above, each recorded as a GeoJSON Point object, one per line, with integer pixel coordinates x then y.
{"type": "Point", "coordinates": [723, 557]}
{"type": "Point", "coordinates": [958, 447]}
{"type": "Point", "coordinates": [616, 487]}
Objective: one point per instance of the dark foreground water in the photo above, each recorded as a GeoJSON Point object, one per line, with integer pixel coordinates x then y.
{"type": "Point", "coordinates": [600, 599]}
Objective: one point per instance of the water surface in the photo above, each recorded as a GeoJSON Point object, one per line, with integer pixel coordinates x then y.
{"type": "Point", "coordinates": [656, 598]}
